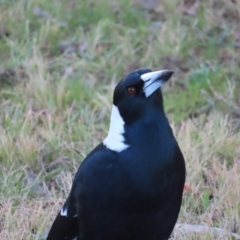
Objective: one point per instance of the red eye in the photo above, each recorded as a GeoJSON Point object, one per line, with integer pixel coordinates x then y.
{"type": "Point", "coordinates": [131, 90]}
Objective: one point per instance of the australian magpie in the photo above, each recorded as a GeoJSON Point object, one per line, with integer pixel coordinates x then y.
{"type": "Point", "coordinates": [130, 186]}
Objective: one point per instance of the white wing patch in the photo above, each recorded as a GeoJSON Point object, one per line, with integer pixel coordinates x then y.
{"type": "Point", "coordinates": [115, 139]}
{"type": "Point", "coordinates": [63, 212]}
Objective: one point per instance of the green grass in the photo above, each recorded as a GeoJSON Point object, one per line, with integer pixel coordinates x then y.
{"type": "Point", "coordinates": [60, 61]}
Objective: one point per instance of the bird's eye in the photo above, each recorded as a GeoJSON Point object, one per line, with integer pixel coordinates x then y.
{"type": "Point", "coordinates": [131, 90]}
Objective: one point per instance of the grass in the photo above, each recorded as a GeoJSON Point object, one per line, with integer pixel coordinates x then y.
{"type": "Point", "coordinates": [59, 63]}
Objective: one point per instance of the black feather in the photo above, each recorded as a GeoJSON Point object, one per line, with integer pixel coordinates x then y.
{"type": "Point", "coordinates": [63, 228]}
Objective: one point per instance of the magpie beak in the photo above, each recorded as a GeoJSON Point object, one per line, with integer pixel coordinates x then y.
{"type": "Point", "coordinates": [154, 80]}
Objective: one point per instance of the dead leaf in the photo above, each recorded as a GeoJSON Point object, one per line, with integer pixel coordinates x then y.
{"type": "Point", "coordinates": [132, 66]}
{"type": "Point", "coordinates": [101, 47]}
{"type": "Point", "coordinates": [148, 4]}
{"type": "Point", "coordinates": [187, 188]}
{"type": "Point", "coordinates": [45, 15]}
{"type": "Point", "coordinates": [32, 181]}
{"type": "Point", "coordinates": [190, 7]}
{"type": "Point", "coordinates": [237, 36]}
{"type": "Point", "coordinates": [4, 33]}
{"type": "Point", "coordinates": [40, 13]}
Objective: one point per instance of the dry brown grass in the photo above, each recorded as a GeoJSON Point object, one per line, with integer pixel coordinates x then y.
{"type": "Point", "coordinates": [214, 200]}
{"type": "Point", "coordinates": [59, 63]}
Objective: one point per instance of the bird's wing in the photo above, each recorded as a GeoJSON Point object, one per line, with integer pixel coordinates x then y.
{"type": "Point", "coordinates": [65, 226]}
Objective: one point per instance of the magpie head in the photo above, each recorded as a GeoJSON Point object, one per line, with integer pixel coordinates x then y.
{"type": "Point", "coordinates": [136, 97]}
{"type": "Point", "coordinates": [139, 92]}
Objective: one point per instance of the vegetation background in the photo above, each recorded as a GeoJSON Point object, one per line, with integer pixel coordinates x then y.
{"type": "Point", "coordinates": [59, 63]}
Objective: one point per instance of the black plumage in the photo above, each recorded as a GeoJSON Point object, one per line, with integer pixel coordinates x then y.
{"type": "Point", "coordinates": [130, 186]}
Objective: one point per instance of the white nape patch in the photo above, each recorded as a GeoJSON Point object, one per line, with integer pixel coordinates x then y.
{"type": "Point", "coordinates": [63, 212]}
{"type": "Point", "coordinates": [115, 139]}
{"type": "Point", "coordinates": [152, 81]}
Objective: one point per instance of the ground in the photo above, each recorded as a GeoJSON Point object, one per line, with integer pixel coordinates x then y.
{"type": "Point", "coordinates": [60, 61]}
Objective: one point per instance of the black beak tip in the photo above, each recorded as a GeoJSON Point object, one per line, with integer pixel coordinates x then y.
{"type": "Point", "coordinates": [167, 75]}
